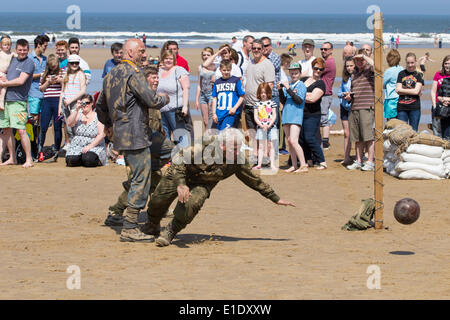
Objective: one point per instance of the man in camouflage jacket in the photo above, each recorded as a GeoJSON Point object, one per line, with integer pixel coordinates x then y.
{"type": "Point", "coordinates": [123, 105]}
{"type": "Point", "coordinates": [194, 173]}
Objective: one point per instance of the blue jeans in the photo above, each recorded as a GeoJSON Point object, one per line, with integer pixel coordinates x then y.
{"type": "Point", "coordinates": [170, 124]}
{"type": "Point", "coordinates": [308, 138]}
{"type": "Point", "coordinates": [49, 112]}
{"type": "Point", "coordinates": [412, 117]}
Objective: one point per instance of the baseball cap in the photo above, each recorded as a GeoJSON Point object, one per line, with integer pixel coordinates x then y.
{"type": "Point", "coordinates": [295, 65]}
{"type": "Point", "coordinates": [73, 58]}
{"type": "Point", "coordinates": [308, 41]}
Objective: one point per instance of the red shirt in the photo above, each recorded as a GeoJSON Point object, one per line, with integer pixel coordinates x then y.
{"type": "Point", "coordinates": [182, 62]}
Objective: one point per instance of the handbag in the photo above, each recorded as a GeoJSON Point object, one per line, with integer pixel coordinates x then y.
{"type": "Point", "coordinates": [179, 116]}
{"type": "Point", "coordinates": [441, 111]}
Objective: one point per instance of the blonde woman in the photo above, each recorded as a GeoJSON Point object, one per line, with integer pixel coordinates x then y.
{"type": "Point", "coordinates": [73, 88]}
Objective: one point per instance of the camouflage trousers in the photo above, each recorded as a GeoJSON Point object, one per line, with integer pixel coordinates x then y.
{"type": "Point", "coordinates": [166, 192]}
{"type": "Point", "coordinates": [139, 162]}
{"type": "Point", "coordinates": [122, 201]}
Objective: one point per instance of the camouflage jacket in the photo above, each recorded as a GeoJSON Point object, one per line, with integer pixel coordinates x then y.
{"type": "Point", "coordinates": [123, 104]}
{"type": "Point", "coordinates": [209, 172]}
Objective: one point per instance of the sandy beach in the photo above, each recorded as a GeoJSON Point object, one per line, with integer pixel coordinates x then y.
{"type": "Point", "coordinates": [240, 246]}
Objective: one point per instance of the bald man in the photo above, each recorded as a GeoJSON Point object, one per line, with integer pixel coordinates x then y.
{"type": "Point", "coordinates": [348, 51]}
{"type": "Point", "coordinates": [367, 49]}
{"type": "Point", "coordinates": [123, 106]}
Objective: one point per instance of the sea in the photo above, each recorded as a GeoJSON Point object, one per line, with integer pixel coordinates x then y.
{"type": "Point", "coordinates": [214, 29]}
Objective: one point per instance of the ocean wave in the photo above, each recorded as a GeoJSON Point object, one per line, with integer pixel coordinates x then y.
{"type": "Point", "coordinates": [201, 38]}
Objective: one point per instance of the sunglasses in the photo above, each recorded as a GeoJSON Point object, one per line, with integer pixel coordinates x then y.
{"type": "Point", "coordinates": [317, 68]}
{"type": "Point", "coordinates": [84, 103]}
{"type": "Point", "coordinates": [74, 63]}
{"type": "Point", "coordinates": [325, 49]}
{"type": "Point", "coordinates": [256, 49]}
{"type": "Point", "coordinates": [267, 45]}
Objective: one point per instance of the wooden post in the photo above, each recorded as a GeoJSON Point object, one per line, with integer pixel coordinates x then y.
{"type": "Point", "coordinates": [378, 181]}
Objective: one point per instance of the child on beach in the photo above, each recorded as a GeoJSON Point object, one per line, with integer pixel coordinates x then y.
{"type": "Point", "coordinates": [228, 95]}
{"type": "Point", "coordinates": [5, 59]}
{"type": "Point", "coordinates": [265, 114]}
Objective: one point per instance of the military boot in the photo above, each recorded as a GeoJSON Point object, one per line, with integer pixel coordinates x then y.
{"type": "Point", "coordinates": [166, 236]}
{"type": "Point", "coordinates": [115, 217]}
{"type": "Point", "coordinates": [135, 235]}
{"type": "Point", "coordinates": [151, 228]}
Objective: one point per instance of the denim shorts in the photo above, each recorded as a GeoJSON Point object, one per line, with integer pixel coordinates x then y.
{"type": "Point", "coordinates": [205, 98]}
{"type": "Point", "coordinates": [271, 134]}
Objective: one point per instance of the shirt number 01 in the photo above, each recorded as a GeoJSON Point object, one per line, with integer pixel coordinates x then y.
{"type": "Point", "coordinates": [225, 101]}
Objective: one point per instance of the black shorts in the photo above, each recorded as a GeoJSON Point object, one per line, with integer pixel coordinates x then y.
{"type": "Point", "coordinates": [422, 67]}
{"type": "Point", "coordinates": [250, 117]}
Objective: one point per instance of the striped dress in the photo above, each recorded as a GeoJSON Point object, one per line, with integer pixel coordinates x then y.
{"type": "Point", "coordinates": [73, 86]}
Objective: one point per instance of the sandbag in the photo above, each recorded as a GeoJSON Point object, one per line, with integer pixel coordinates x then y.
{"type": "Point", "coordinates": [429, 140]}
{"type": "Point", "coordinates": [424, 150]}
{"type": "Point", "coordinates": [412, 157]}
{"type": "Point", "coordinates": [394, 123]}
{"type": "Point", "coordinates": [446, 160]}
{"type": "Point", "coordinates": [401, 135]}
{"type": "Point", "coordinates": [435, 170]}
{"type": "Point", "coordinates": [417, 174]}
{"type": "Point", "coordinates": [446, 154]}
{"type": "Point", "coordinates": [390, 156]}
{"type": "Point", "coordinates": [386, 133]}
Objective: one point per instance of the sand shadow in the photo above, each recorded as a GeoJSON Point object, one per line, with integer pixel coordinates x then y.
{"type": "Point", "coordinates": [184, 239]}
{"type": "Point", "coordinates": [402, 253]}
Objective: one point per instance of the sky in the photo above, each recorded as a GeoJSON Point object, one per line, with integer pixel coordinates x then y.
{"type": "Point", "coordinates": [234, 6]}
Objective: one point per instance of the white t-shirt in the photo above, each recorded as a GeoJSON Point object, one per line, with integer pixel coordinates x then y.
{"type": "Point", "coordinates": [237, 45]}
{"type": "Point", "coordinates": [283, 76]}
{"type": "Point", "coordinates": [235, 71]}
{"type": "Point", "coordinates": [306, 66]}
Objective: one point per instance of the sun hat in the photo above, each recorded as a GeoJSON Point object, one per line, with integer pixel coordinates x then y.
{"type": "Point", "coordinates": [73, 58]}
{"type": "Point", "coordinates": [308, 41]}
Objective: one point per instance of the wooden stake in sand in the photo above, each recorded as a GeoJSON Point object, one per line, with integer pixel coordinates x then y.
{"type": "Point", "coordinates": [378, 181]}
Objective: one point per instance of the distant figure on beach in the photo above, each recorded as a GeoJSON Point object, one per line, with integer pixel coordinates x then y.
{"type": "Point", "coordinates": [117, 53]}
{"type": "Point", "coordinates": [95, 43]}
{"type": "Point", "coordinates": [144, 39]}
{"type": "Point", "coordinates": [103, 42]}
{"type": "Point", "coordinates": [397, 42]}
{"type": "Point", "coordinates": [392, 44]}
{"type": "Point", "coordinates": [440, 43]}
{"type": "Point", "coordinates": [436, 41]}
{"type": "Point", "coordinates": [54, 39]}
{"type": "Point", "coordinates": [423, 60]}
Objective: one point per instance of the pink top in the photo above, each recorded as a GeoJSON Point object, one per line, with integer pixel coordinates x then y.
{"type": "Point", "coordinates": [329, 74]}
{"type": "Point", "coordinates": [438, 77]}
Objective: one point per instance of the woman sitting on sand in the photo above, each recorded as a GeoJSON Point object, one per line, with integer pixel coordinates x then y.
{"type": "Point", "coordinates": [87, 147]}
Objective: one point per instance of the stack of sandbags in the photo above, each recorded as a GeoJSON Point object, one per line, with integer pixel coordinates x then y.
{"type": "Point", "coordinates": [421, 161]}
{"type": "Point", "coordinates": [446, 160]}
{"type": "Point", "coordinates": [409, 155]}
